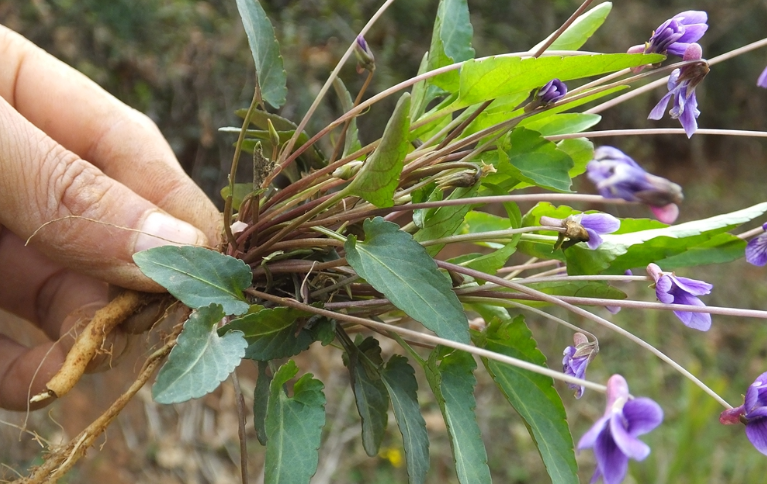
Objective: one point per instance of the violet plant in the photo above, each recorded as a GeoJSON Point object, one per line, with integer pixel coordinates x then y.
{"type": "Point", "coordinates": [350, 249]}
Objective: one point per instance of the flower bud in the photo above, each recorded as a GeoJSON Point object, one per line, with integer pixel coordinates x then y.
{"type": "Point", "coordinates": [365, 59]}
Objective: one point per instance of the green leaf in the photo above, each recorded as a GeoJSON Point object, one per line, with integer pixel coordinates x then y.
{"type": "Point", "coordinates": [261, 401]}
{"type": "Point", "coordinates": [241, 190]}
{"type": "Point", "coordinates": [399, 267]}
{"type": "Point", "coordinates": [451, 41]}
{"type": "Point", "coordinates": [399, 378]}
{"type": "Point", "coordinates": [535, 160]}
{"type": "Point", "coordinates": [363, 362]}
{"type": "Point", "coordinates": [580, 150]}
{"type": "Point", "coordinates": [266, 52]}
{"type": "Point", "coordinates": [532, 395]}
{"type": "Point", "coordinates": [637, 249]}
{"type": "Point", "coordinates": [490, 78]}
{"type": "Point", "coordinates": [351, 140]}
{"type": "Point", "coordinates": [428, 193]}
{"type": "Point", "coordinates": [201, 359]}
{"type": "Point", "coordinates": [579, 31]}
{"type": "Point", "coordinates": [719, 249]}
{"type": "Point", "coordinates": [272, 333]}
{"type": "Point", "coordinates": [445, 221]}
{"type": "Point", "coordinates": [478, 222]}
{"type": "Point", "coordinates": [293, 428]}
{"type": "Point", "coordinates": [562, 123]}
{"type": "Point", "coordinates": [198, 277]}
{"type": "Point", "coordinates": [378, 178]}
{"type": "Point", "coordinates": [451, 378]}
{"type": "Point", "coordinates": [259, 119]}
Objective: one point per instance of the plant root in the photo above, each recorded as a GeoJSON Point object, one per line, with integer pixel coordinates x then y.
{"type": "Point", "coordinates": [62, 459]}
{"type": "Point", "coordinates": [89, 342]}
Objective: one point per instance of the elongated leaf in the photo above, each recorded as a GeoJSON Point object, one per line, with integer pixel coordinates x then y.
{"type": "Point", "coordinates": [445, 221]}
{"type": "Point", "coordinates": [293, 428]}
{"type": "Point", "coordinates": [266, 52]}
{"type": "Point", "coordinates": [379, 176]}
{"type": "Point", "coordinates": [451, 41]}
{"type": "Point", "coordinates": [198, 277]}
{"type": "Point", "coordinates": [369, 392]}
{"type": "Point", "coordinates": [535, 160]}
{"type": "Point", "coordinates": [451, 378]}
{"type": "Point", "coordinates": [637, 249]}
{"type": "Point", "coordinates": [261, 401]}
{"type": "Point", "coordinates": [562, 123]}
{"type": "Point", "coordinates": [399, 378]}
{"type": "Point", "coordinates": [532, 395]}
{"type": "Point", "coordinates": [399, 267]}
{"type": "Point", "coordinates": [482, 80]}
{"type": "Point", "coordinates": [351, 139]}
{"type": "Point", "coordinates": [579, 31]}
{"type": "Point", "coordinates": [201, 359]}
{"type": "Point", "coordinates": [272, 333]}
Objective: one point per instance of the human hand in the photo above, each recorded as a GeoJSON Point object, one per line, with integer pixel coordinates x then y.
{"type": "Point", "coordinates": [68, 148]}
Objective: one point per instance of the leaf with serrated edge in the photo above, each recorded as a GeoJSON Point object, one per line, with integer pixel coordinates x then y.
{"type": "Point", "coordinates": [201, 359]}
{"type": "Point", "coordinates": [266, 52]}
{"type": "Point", "coordinates": [452, 381]}
{"type": "Point", "coordinates": [198, 277]}
{"type": "Point", "coordinates": [293, 428]}
{"type": "Point", "coordinates": [399, 378]}
{"type": "Point", "coordinates": [378, 178]}
{"type": "Point", "coordinates": [532, 395]}
{"type": "Point", "coordinates": [398, 266]}
{"type": "Point", "coordinates": [261, 401]}
{"type": "Point", "coordinates": [370, 393]}
{"type": "Point", "coordinates": [271, 333]}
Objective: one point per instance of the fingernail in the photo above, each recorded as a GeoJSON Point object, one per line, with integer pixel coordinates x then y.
{"type": "Point", "coordinates": [161, 229]}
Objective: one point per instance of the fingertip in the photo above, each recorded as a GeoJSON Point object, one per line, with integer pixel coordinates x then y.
{"type": "Point", "coordinates": [158, 229]}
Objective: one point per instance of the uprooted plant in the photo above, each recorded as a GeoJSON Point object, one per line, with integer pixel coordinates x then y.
{"type": "Point", "coordinates": [352, 246]}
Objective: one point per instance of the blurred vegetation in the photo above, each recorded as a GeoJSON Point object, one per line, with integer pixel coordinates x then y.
{"type": "Point", "coordinates": [186, 64]}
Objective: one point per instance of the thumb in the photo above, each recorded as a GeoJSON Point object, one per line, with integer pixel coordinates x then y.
{"type": "Point", "coordinates": [44, 183]}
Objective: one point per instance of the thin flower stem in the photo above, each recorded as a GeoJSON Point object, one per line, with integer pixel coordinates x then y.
{"type": "Point", "coordinates": [751, 233]}
{"type": "Point", "coordinates": [329, 82]}
{"type": "Point", "coordinates": [514, 271]}
{"type": "Point", "coordinates": [586, 314]}
{"type": "Point", "coordinates": [486, 236]}
{"type": "Point", "coordinates": [657, 131]}
{"type": "Point", "coordinates": [383, 327]}
{"type": "Point", "coordinates": [536, 278]}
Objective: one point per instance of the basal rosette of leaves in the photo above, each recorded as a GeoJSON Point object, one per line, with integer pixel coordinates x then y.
{"type": "Point", "coordinates": [319, 245]}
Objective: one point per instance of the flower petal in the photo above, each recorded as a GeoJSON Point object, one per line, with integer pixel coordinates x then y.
{"type": "Point", "coordinates": [663, 286]}
{"type": "Point", "coordinates": [756, 249]}
{"type": "Point", "coordinates": [611, 460]}
{"type": "Point", "coordinates": [666, 214]}
{"type": "Point", "coordinates": [660, 108]}
{"type": "Point", "coordinates": [762, 81]}
{"type": "Point", "coordinates": [594, 239]}
{"type": "Point", "coordinates": [627, 443]}
{"type": "Point", "coordinates": [643, 415]}
{"type": "Point", "coordinates": [756, 432]}
{"type": "Point", "coordinates": [691, 17]}
{"type": "Point", "coordinates": [699, 321]}
{"type": "Point", "coordinates": [590, 437]}
{"type": "Point", "coordinates": [602, 223]}
{"type": "Point", "coordinates": [693, 286]}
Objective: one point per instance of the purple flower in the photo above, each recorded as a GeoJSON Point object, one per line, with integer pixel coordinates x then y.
{"type": "Point", "coordinates": [585, 227]}
{"type": "Point", "coordinates": [674, 35]}
{"type": "Point", "coordinates": [577, 358]}
{"type": "Point", "coordinates": [614, 436]}
{"type": "Point", "coordinates": [618, 176]}
{"type": "Point", "coordinates": [681, 88]}
{"type": "Point", "coordinates": [753, 413]}
{"type": "Point", "coordinates": [671, 289]}
{"type": "Point", "coordinates": [756, 249]}
{"type": "Point", "coordinates": [551, 92]}
{"type": "Point", "coordinates": [762, 81]}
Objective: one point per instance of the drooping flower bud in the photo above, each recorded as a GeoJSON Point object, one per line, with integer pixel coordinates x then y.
{"type": "Point", "coordinates": [551, 92]}
{"type": "Point", "coordinates": [365, 59]}
{"type": "Point", "coordinates": [577, 358]}
{"type": "Point", "coordinates": [674, 35]}
{"type": "Point", "coordinates": [585, 227]}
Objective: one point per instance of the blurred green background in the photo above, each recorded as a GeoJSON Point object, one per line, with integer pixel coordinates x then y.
{"type": "Point", "coordinates": [187, 65]}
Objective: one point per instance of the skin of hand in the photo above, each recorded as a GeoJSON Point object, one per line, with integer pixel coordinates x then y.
{"type": "Point", "coordinates": [67, 147]}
